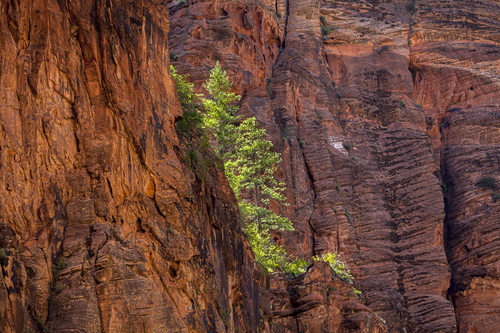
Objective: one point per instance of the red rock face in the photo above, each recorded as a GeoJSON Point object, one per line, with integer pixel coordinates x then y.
{"type": "Point", "coordinates": [375, 114]}
{"type": "Point", "coordinates": [91, 172]}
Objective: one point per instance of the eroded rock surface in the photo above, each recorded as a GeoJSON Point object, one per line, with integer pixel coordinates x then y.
{"type": "Point", "coordinates": [376, 107]}
{"type": "Point", "coordinates": [103, 227]}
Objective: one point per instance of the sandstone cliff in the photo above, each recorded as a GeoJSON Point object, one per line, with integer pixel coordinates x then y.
{"type": "Point", "coordinates": [387, 114]}
{"type": "Point", "coordinates": [103, 227]}
{"type": "Point", "coordinates": [377, 107]}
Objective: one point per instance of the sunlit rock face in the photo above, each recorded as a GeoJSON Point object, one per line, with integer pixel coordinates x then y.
{"type": "Point", "coordinates": [387, 115]}
{"type": "Point", "coordinates": [91, 171]}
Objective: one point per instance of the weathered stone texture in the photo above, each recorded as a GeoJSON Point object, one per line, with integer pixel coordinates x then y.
{"type": "Point", "coordinates": [375, 114]}
{"type": "Point", "coordinates": [91, 171]}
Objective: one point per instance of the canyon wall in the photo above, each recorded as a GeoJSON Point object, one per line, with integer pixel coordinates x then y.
{"type": "Point", "coordinates": [103, 228]}
{"type": "Point", "coordinates": [387, 116]}
{"type": "Point", "coordinates": [386, 113]}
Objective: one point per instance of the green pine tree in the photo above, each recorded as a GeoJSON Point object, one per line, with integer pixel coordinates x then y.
{"type": "Point", "coordinates": [250, 165]}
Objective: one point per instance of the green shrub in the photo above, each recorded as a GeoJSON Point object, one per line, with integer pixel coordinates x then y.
{"type": "Point", "coordinates": [337, 265]}
{"type": "Point", "coordinates": [347, 145]}
{"type": "Point", "coordinates": [384, 48]}
{"type": "Point", "coordinates": [495, 197]}
{"type": "Point", "coordinates": [356, 292]}
{"type": "Point", "coordinates": [403, 103]}
{"type": "Point", "coordinates": [487, 182]}
{"type": "Point", "coordinates": [3, 254]}
{"type": "Point", "coordinates": [326, 30]}
{"type": "Point", "coordinates": [173, 55]}
{"type": "Point", "coordinates": [279, 14]}
{"type": "Point", "coordinates": [60, 265]}
{"type": "Point", "coordinates": [322, 18]}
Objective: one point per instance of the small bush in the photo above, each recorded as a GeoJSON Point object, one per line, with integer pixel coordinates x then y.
{"type": "Point", "coordinates": [326, 30]}
{"type": "Point", "coordinates": [347, 145]}
{"type": "Point", "coordinates": [60, 265]}
{"type": "Point", "coordinates": [279, 14]}
{"type": "Point", "coordinates": [410, 7]}
{"type": "Point", "coordinates": [173, 55]}
{"type": "Point", "coordinates": [444, 187]}
{"type": "Point", "coordinates": [487, 182]}
{"type": "Point", "coordinates": [322, 18]}
{"type": "Point", "coordinates": [384, 48]}
{"type": "Point", "coordinates": [403, 103]}
{"type": "Point", "coordinates": [3, 254]}
{"type": "Point", "coordinates": [356, 292]}
{"type": "Point", "coordinates": [419, 105]}
{"type": "Point", "coordinates": [337, 265]}
{"type": "Point", "coordinates": [495, 197]}
{"type": "Point", "coordinates": [354, 158]}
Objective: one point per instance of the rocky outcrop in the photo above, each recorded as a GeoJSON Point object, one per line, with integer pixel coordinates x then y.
{"type": "Point", "coordinates": [376, 107]}
{"type": "Point", "coordinates": [103, 226]}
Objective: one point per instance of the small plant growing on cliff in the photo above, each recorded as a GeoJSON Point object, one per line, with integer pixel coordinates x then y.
{"type": "Point", "coordinates": [403, 103]}
{"type": "Point", "coordinates": [410, 7]}
{"type": "Point", "coordinates": [384, 48]}
{"type": "Point", "coordinates": [173, 55]}
{"type": "Point", "coordinates": [356, 292]}
{"type": "Point", "coordinates": [60, 265]}
{"type": "Point", "coordinates": [337, 265]}
{"type": "Point", "coordinates": [487, 182]}
{"type": "Point", "coordinates": [279, 14]}
{"type": "Point", "coordinates": [348, 146]}
{"type": "Point", "coordinates": [495, 197]}
{"type": "Point", "coordinates": [322, 18]}
{"type": "Point", "coordinates": [3, 254]}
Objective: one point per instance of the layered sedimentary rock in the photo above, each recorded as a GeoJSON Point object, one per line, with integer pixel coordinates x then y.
{"type": "Point", "coordinates": [103, 227]}
{"type": "Point", "coordinates": [387, 115]}
{"type": "Point", "coordinates": [376, 107]}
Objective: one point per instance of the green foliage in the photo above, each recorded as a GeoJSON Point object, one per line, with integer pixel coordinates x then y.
{"type": "Point", "coordinates": [3, 254]}
{"type": "Point", "coordinates": [403, 103]}
{"type": "Point", "coordinates": [356, 292]}
{"type": "Point", "coordinates": [173, 55]}
{"type": "Point", "coordinates": [348, 146]}
{"type": "Point", "coordinates": [326, 30]}
{"type": "Point", "coordinates": [410, 7]}
{"type": "Point", "coordinates": [495, 197]}
{"type": "Point", "coordinates": [60, 265]}
{"type": "Point", "coordinates": [384, 48]}
{"type": "Point", "coordinates": [487, 182]}
{"type": "Point", "coordinates": [322, 18]}
{"type": "Point", "coordinates": [250, 166]}
{"type": "Point", "coordinates": [190, 128]}
{"type": "Point", "coordinates": [337, 265]}
{"type": "Point", "coordinates": [191, 122]}
{"type": "Point", "coordinates": [279, 14]}
{"type": "Point", "coordinates": [444, 187]}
